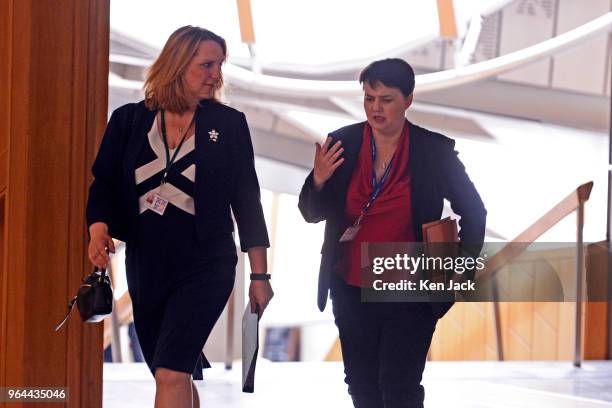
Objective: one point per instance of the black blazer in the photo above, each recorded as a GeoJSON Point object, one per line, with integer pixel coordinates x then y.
{"type": "Point", "coordinates": [225, 174]}
{"type": "Point", "coordinates": [437, 174]}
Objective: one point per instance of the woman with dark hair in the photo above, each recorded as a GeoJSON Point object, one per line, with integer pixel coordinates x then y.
{"type": "Point", "coordinates": [168, 174]}
{"type": "Point", "coordinates": [380, 181]}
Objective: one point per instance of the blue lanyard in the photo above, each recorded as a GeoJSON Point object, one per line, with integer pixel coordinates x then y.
{"type": "Point", "coordinates": [376, 185]}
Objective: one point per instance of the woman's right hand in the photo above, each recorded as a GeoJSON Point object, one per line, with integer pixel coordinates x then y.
{"type": "Point", "coordinates": [327, 160]}
{"type": "Point", "coordinates": [100, 244]}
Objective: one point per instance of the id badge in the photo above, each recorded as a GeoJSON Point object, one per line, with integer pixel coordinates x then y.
{"type": "Point", "coordinates": [156, 203]}
{"type": "Point", "coordinates": [350, 233]}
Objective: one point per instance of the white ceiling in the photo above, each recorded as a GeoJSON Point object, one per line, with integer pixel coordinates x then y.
{"type": "Point", "coordinates": [310, 32]}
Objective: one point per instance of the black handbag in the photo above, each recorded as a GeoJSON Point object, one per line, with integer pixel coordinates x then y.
{"type": "Point", "coordinates": [94, 299]}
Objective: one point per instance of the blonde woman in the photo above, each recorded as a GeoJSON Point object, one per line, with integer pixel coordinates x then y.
{"type": "Point", "coordinates": [168, 173]}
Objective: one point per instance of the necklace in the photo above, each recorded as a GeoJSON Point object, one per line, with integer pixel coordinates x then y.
{"type": "Point", "coordinates": [384, 163]}
{"type": "Point", "coordinates": [182, 130]}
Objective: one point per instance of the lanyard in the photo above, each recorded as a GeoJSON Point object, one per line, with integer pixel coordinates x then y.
{"type": "Point", "coordinates": [376, 185]}
{"type": "Point", "coordinates": [170, 161]}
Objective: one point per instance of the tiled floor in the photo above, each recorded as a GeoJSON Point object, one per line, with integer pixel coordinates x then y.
{"type": "Point", "coordinates": [447, 384]}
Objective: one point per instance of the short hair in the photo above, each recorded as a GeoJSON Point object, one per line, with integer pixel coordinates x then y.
{"type": "Point", "coordinates": [391, 72]}
{"type": "Point", "coordinates": [164, 85]}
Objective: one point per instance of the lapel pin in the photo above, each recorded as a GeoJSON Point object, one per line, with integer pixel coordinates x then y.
{"type": "Point", "coordinates": [213, 135]}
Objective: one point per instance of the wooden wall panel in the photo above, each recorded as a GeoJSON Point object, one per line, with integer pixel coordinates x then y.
{"type": "Point", "coordinates": [5, 79]}
{"type": "Point", "coordinates": [598, 268]}
{"type": "Point", "coordinates": [474, 332]}
{"type": "Point", "coordinates": [57, 65]}
{"type": "Point", "coordinates": [3, 320]}
{"type": "Point", "coordinates": [545, 330]}
{"type": "Point", "coordinates": [15, 244]}
{"type": "Point", "coordinates": [565, 340]}
{"type": "Point", "coordinates": [490, 344]}
{"type": "Point", "coordinates": [91, 49]}
{"type": "Point", "coordinates": [450, 330]}
{"type": "Point", "coordinates": [530, 330]}
{"type": "Point", "coordinates": [596, 331]}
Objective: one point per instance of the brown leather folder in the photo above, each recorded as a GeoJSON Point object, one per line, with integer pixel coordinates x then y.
{"type": "Point", "coordinates": [444, 230]}
{"type": "Point", "coordinates": [440, 239]}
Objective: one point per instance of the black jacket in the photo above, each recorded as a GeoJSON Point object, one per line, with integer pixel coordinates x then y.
{"type": "Point", "coordinates": [437, 174]}
{"type": "Point", "coordinates": [225, 174]}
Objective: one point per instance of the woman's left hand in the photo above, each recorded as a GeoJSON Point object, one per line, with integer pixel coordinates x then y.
{"type": "Point", "coordinates": [260, 294]}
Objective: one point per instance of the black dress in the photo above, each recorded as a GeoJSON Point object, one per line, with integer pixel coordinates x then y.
{"type": "Point", "coordinates": [178, 288]}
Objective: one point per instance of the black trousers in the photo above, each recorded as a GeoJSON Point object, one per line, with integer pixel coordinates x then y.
{"type": "Point", "coordinates": [384, 348]}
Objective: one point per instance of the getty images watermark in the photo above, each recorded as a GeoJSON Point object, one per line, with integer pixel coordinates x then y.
{"type": "Point", "coordinates": [497, 271]}
{"type": "Point", "coordinates": [410, 264]}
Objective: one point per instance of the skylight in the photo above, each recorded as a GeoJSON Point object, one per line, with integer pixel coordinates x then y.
{"type": "Point", "coordinates": [294, 32]}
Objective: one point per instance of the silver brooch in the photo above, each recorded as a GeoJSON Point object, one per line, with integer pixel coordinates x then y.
{"type": "Point", "coordinates": [213, 135]}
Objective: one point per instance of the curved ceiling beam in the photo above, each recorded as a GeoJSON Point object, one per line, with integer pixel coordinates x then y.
{"type": "Point", "coordinates": [273, 85]}
{"type": "Point", "coordinates": [354, 65]}
{"type": "Point", "coordinates": [331, 68]}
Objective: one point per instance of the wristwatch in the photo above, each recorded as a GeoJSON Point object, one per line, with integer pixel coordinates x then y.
{"type": "Point", "coordinates": [260, 276]}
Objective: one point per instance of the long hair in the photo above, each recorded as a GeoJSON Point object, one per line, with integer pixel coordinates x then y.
{"type": "Point", "coordinates": [164, 85]}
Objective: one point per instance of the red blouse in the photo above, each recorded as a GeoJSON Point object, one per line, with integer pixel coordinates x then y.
{"type": "Point", "coordinates": [389, 218]}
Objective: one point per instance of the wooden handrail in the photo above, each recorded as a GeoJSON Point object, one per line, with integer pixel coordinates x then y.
{"type": "Point", "coordinates": [518, 245]}
{"type": "Point", "coordinates": [574, 201]}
